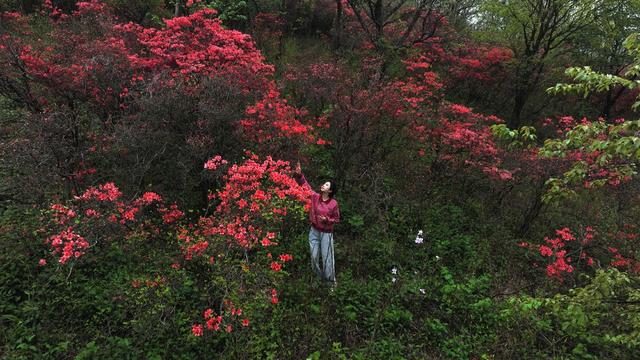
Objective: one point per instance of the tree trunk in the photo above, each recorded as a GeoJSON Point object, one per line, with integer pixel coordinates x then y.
{"type": "Point", "coordinates": [520, 100]}
{"type": "Point", "coordinates": [337, 37]}
{"type": "Point", "coordinates": [27, 6]}
{"type": "Point", "coordinates": [609, 102]}
{"type": "Point", "coordinates": [533, 211]}
{"type": "Point", "coordinates": [527, 77]}
{"type": "Point", "coordinates": [256, 6]}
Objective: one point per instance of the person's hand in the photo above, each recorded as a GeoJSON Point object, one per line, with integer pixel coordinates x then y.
{"type": "Point", "coordinates": [323, 218]}
{"type": "Point", "coordinates": [298, 169]}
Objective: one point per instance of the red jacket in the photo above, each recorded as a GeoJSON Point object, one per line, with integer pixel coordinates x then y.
{"type": "Point", "coordinates": [319, 207]}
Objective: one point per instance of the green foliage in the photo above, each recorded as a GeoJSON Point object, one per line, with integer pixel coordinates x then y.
{"type": "Point", "coordinates": [95, 312]}
{"type": "Point", "coordinates": [597, 321]}
{"type": "Point", "coordinates": [540, 45]}
{"type": "Point", "coordinates": [230, 11]}
{"type": "Point", "coordinates": [515, 139]}
{"type": "Point", "coordinates": [525, 26]}
{"type": "Point", "coordinates": [589, 81]}
{"type": "Point", "coordinates": [618, 147]}
{"type": "Point", "coordinates": [140, 11]}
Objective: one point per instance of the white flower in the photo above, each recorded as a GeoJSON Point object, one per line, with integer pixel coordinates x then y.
{"type": "Point", "coordinates": [419, 232]}
{"type": "Point", "coordinates": [393, 279]}
{"type": "Point", "coordinates": [423, 291]}
{"type": "Point", "coordinates": [419, 238]}
{"type": "Point", "coordinates": [437, 258]}
{"type": "Point", "coordinates": [394, 271]}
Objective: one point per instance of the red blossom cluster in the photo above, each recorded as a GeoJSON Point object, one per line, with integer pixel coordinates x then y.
{"type": "Point", "coordinates": [423, 90]}
{"type": "Point", "coordinates": [482, 63]}
{"type": "Point", "coordinates": [171, 214]}
{"type": "Point", "coordinates": [471, 134]}
{"type": "Point", "coordinates": [74, 74]}
{"type": "Point", "coordinates": [272, 118]}
{"type": "Point", "coordinates": [159, 280]}
{"type": "Point", "coordinates": [100, 207]}
{"type": "Point", "coordinates": [213, 163]}
{"type": "Point", "coordinates": [223, 320]}
{"type": "Point", "coordinates": [190, 3]}
{"type": "Point", "coordinates": [618, 259]}
{"type": "Point", "coordinates": [67, 245]}
{"type": "Point", "coordinates": [61, 214]}
{"type": "Point", "coordinates": [104, 192]}
{"type": "Point", "coordinates": [147, 199]}
{"type": "Point", "coordinates": [197, 45]}
{"type": "Point", "coordinates": [89, 7]}
{"type": "Point", "coordinates": [566, 251]}
{"type": "Point", "coordinates": [413, 106]}
{"type": "Point", "coordinates": [187, 54]}
{"type": "Point", "coordinates": [557, 249]}
{"type": "Point", "coordinates": [248, 211]}
{"type": "Point", "coordinates": [612, 177]}
{"type": "Point", "coordinates": [624, 254]}
{"type": "Point", "coordinates": [562, 124]}
{"type": "Point", "coordinates": [595, 171]}
{"type": "Point", "coordinates": [252, 190]}
{"type": "Point", "coordinates": [453, 132]}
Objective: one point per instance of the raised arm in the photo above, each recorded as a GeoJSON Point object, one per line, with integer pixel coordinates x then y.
{"type": "Point", "coordinates": [301, 180]}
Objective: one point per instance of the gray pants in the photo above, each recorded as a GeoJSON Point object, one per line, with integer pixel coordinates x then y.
{"type": "Point", "coordinates": [322, 242]}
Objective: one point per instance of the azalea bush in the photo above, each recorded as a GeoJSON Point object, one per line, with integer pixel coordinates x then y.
{"type": "Point", "coordinates": [130, 105]}
{"type": "Point", "coordinates": [225, 249]}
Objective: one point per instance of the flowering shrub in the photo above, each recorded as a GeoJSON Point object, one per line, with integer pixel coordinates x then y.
{"type": "Point", "coordinates": [123, 90]}
{"type": "Point", "coordinates": [100, 214]}
{"type": "Point", "coordinates": [359, 116]}
{"type": "Point", "coordinates": [567, 251]}
{"type": "Point", "coordinates": [447, 132]}
{"type": "Point", "coordinates": [248, 212]}
{"type": "Point", "coordinates": [272, 118]}
{"type": "Point", "coordinates": [597, 153]}
{"type": "Point", "coordinates": [196, 45]}
{"type": "Point", "coordinates": [469, 66]}
{"type": "Point", "coordinates": [235, 246]}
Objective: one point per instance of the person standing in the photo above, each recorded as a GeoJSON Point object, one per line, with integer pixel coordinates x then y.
{"type": "Point", "coordinates": [323, 215]}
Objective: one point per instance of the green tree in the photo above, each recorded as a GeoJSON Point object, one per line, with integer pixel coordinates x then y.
{"type": "Point", "coordinates": [538, 31]}
{"type": "Point", "coordinates": [601, 46]}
